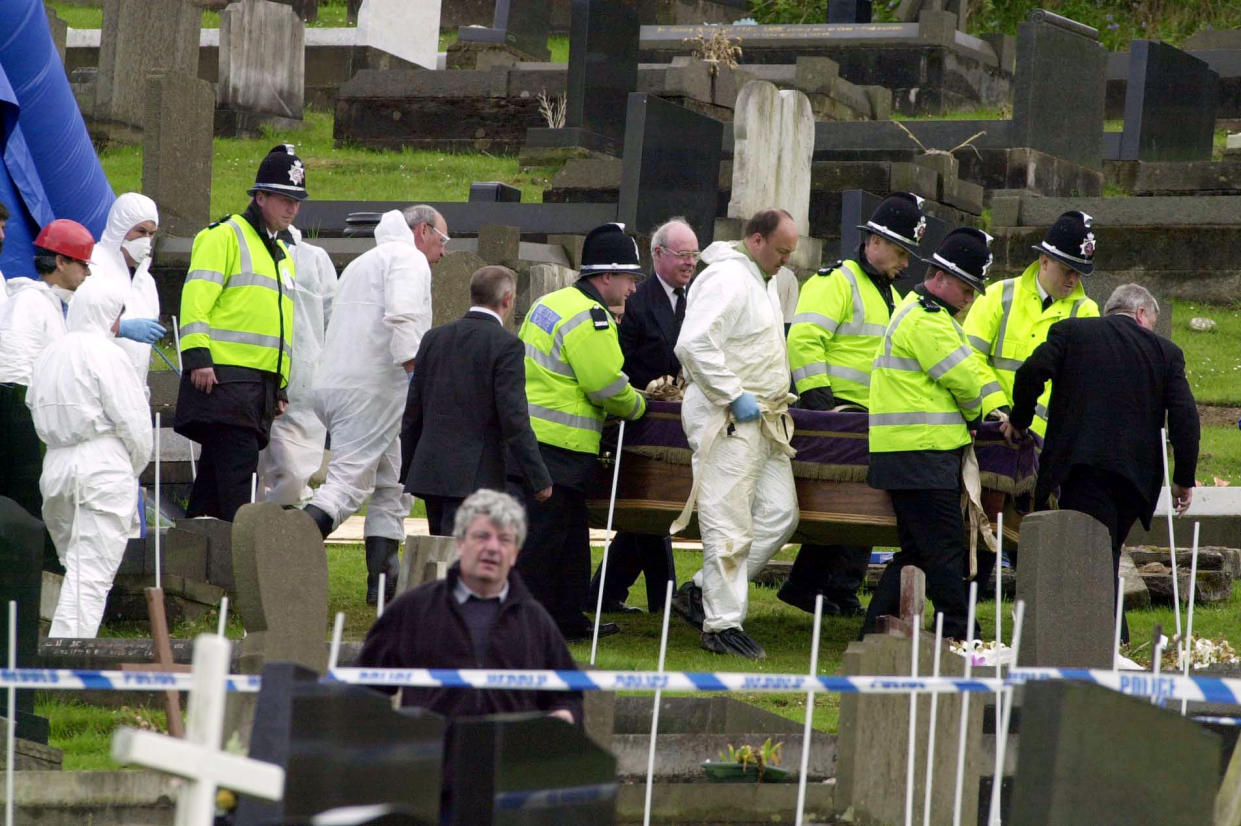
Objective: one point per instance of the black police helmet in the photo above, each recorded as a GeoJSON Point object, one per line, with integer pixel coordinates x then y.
{"type": "Point", "coordinates": [1071, 242]}
{"type": "Point", "coordinates": [965, 253]}
{"type": "Point", "coordinates": [608, 249]}
{"type": "Point", "coordinates": [281, 172]}
{"type": "Point", "coordinates": [899, 219]}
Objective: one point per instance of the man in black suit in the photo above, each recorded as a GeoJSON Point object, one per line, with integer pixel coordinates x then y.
{"type": "Point", "coordinates": [648, 332]}
{"type": "Point", "coordinates": [1113, 383]}
{"type": "Point", "coordinates": [466, 414]}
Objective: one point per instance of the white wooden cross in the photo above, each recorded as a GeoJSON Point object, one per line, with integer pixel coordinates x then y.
{"type": "Point", "coordinates": [198, 758]}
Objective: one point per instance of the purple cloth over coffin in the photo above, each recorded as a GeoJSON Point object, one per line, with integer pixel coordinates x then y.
{"type": "Point", "coordinates": [839, 440]}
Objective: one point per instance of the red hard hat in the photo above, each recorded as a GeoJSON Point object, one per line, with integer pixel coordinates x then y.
{"type": "Point", "coordinates": [69, 238]}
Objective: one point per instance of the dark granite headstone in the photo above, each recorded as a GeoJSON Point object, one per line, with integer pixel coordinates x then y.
{"type": "Point", "coordinates": [671, 166]}
{"type": "Point", "coordinates": [848, 11]}
{"type": "Point", "coordinates": [341, 745]}
{"type": "Point", "coordinates": [494, 192]}
{"type": "Point", "coordinates": [523, 25]}
{"type": "Point", "coordinates": [856, 208]}
{"type": "Point", "coordinates": [523, 769]}
{"type": "Point", "coordinates": [1170, 105]}
{"type": "Point", "coordinates": [603, 65]}
{"type": "Point", "coordinates": [1094, 753]}
{"type": "Point", "coordinates": [21, 579]}
{"type": "Point", "coordinates": [1059, 89]}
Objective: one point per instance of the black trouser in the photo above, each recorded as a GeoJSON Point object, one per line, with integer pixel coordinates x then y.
{"type": "Point", "coordinates": [836, 571]}
{"type": "Point", "coordinates": [21, 462]}
{"type": "Point", "coordinates": [230, 456]}
{"type": "Point", "coordinates": [632, 554]}
{"type": "Point", "coordinates": [932, 536]}
{"type": "Point", "coordinates": [1113, 501]}
{"type": "Point", "coordinates": [441, 514]}
{"type": "Point", "coordinates": [555, 561]}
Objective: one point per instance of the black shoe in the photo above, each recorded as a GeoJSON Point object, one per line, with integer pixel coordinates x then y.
{"type": "Point", "coordinates": [687, 604]}
{"type": "Point", "coordinates": [800, 598]}
{"type": "Point", "coordinates": [733, 641]}
{"type": "Point", "coordinates": [615, 606]}
{"type": "Point", "coordinates": [382, 557]}
{"type": "Point", "coordinates": [606, 629]}
{"type": "Point", "coordinates": [324, 522]}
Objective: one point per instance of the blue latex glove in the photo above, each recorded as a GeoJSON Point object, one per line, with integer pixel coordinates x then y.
{"type": "Point", "coordinates": [141, 330]}
{"type": "Point", "coordinates": [745, 407]}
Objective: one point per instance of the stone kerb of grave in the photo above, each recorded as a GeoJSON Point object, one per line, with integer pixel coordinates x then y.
{"type": "Point", "coordinates": [773, 140]}
{"type": "Point", "coordinates": [282, 587]}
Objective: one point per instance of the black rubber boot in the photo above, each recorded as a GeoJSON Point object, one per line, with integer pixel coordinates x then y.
{"type": "Point", "coordinates": [381, 558]}
{"type": "Point", "coordinates": [322, 519]}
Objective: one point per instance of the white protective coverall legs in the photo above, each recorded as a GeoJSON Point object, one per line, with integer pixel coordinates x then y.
{"type": "Point", "coordinates": [744, 513]}
{"type": "Point", "coordinates": [90, 410]}
{"type": "Point", "coordinates": [366, 457]}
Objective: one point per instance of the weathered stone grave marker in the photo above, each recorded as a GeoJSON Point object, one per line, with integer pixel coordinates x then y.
{"type": "Point", "coordinates": [1064, 576]}
{"type": "Point", "coordinates": [21, 579]}
{"type": "Point", "coordinates": [408, 29]}
{"type": "Point", "coordinates": [450, 286]}
{"type": "Point", "coordinates": [773, 141]}
{"type": "Point", "coordinates": [1170, 105]}
{"type": "Point", "coordinates": [262, 68]}
{"type": "Point", "coordinates": [426, 559]}
{"type": "Point", "coordinates": [176, 150]}
{"type": "Point", "coordinates": [519, 27]}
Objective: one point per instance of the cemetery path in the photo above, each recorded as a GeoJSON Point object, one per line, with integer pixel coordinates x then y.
{"type": "Point", "coordinates": [351, 531]}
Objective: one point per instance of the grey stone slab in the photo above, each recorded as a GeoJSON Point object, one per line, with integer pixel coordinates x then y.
{"type": "Point", "coordinates": [1095, 754]}
{"type": "Point", "coordinates": [450, 286]}
{"type": "Point", "coordinates": [699, 715]}
{"type": "Point", "coordinates": [1196, 178]}
{"type": "Point", "coordinates": [773, 141]}
{"type": "Point", "coordinates": [219, 536]}
{"type": "Point", "coordinates": [426, 558]}
{"type": "Point", "coordinates": [177, 150]}
{"type": "Point", "coordinates": [1064, 575]}
{"type": "Point", "coordinates": [1154, 211]}
{"type": "Point", "coordinates": [671, 167]}
{"type": "Point", "coordinates": [1169, 105]}
{"type": "Point", "coordinates": [21, 580]}
{"type": "Point", "coordinates": [262, 61]}
{"type": "Point", "coordinates": [603, 65]}
{"type": "Point", "coordinates": [282, 587]}
{"type": "Point", "coordinates": [139, 37]}
{"type": "Point", "coordinates": [679, 757]}
{"type": "Point", "coordinates": [1053, 58]}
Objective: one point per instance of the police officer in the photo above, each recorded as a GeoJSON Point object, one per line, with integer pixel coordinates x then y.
{"type": "Point", "coordinates": [237, 336]}
{"type": "Point", "coordinates": [573, 381]}
{"type": "Point", "coordinates": [925, 397]}
{"type": "Point", "coordinates": [1012, 318]}
{"type": "Point", "coordinates": [840, 320]}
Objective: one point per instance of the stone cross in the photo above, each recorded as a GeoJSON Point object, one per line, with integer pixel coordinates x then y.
{"type": "Point", "coordinates": [198, 758]}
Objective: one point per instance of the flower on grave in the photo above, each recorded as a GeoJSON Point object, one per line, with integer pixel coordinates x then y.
{"type": "Point", "coordinates": [1204, 652]}
{"type": "Point", "coordinates": [983, 653]}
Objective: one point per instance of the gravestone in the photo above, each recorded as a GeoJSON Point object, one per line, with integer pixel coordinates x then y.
{"type": "Point", "coordinates": [282, 587]}
{"type": "Point", "coordinates": [341, 745]}
{"type": "Point", "coordinates": [521, 25]}
{"type": "Point", "coordinates": [1064, 575]}
{"type": "Point", "coordinates": [262, 75]}
{"type": "Point", "coordinates": [426, 559]}
{"type": "Point", "coordinates": [1170, 102]}
{"type": "Point", "coordinates": [671, 167]}
{"type": "Point", "coordinates": [528, 769]}
{"type": "Point", "coordinates": [60, 31]}
{"type": "Point", "coordinates": [494, 192]}
{"type": "Point", "coordinates": [21, 579]}
{"type": "Point", "coordinates": [408, 29]}
{"type": "Point", "coordinates": [137, 38]}
{"type": "Point", "coordinates": [849, 11]}
{"type": "Point", "coordinates": [219, 536]}
{"type": "Point", "coordinates": [450, 286]}
{"type": "Point", "coordinates": [177, 150]}
{"type": "Point", "coordinates": [603, 65]}
{"type": "Point", "coordinates": [773, 141]}
{"type": "Point", "coordinates": [1059, 89]}
{"type": "Point", "coordinates": [1096, 753]}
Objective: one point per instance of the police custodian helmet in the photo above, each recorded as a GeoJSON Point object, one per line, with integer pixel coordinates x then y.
{"type": "Point", "coordinates": [281, 172]}
{"type": "Point", "coordinates": [899, 219]}
{"type": "Point", "coordinates": [966, 254]}
{"type": "Point", "coordinates": [1071, 242]}
{"type": "Point", "coordinates": [608, 249]}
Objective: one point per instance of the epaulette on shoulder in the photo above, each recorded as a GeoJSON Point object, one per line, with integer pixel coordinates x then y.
{"type": "Point", "coordinates": [929, 304]}
{"type": "Point", "coordinates": [600, 317]}
{"type": "Point", "coordinates": [219, 221]}
{"type": "Point", "coordinates": [832, 268]}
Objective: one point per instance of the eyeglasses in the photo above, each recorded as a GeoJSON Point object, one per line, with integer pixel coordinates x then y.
{"type": "Point", "coordinates": [440, 234]}
{"type": "Point", "coordinates": [687, 256]}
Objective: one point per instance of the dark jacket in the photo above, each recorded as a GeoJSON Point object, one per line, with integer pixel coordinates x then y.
{"type": "Point", "coordinates": [1113, 382]}
{"type": "Point", "coordinates": [424, 628]}
{"type": "Point", "coordinates": [466, 410]}
{"type": "Point", "coordinates": [244, 397]}
{"type": "Point", "coordinates": [648, 332]}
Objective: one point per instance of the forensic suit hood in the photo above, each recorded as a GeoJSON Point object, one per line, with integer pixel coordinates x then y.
{"type": "Point", "coordinates": [108, 264]}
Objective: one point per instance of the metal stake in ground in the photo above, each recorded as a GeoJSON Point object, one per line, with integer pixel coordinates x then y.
{"type": "Point", "coordinates": [911, 754]}
{"type": "Point", "coordinates": [930, 732]}
{"type": "Point", "coordinates": [1187, 645]}
{"type": "Point", "coordinates": [198, 758]}
{"type": "Point", "coordinates": [1167, 485]}
{"type": "Point", "coordinates": [650, 755]}
{"type": "Point", "coordinates": [607, 545]}
{"type": "Point", "coordinates": [805, 736]}
{"type": "Point", "coordinates": [965, 703]}
{"type": "Point", "coordinates": [1002, 738]}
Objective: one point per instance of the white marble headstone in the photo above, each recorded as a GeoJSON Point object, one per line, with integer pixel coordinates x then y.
{"type": "Point", "coordinates": [409, 29]}
{"type": "Point", "coordinates": [773, 141]}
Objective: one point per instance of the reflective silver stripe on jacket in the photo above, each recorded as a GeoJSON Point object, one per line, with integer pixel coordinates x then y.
{"type": "Point", "coordinates": [849, 373]}
{"type": "Point", "coordinates": [239, 337]}
{"type": "Point", "coordinates": [614, 389]}
{"type": "Point", "coordinates": [1040, 410]}
{"type": "Point", "coordinates": [858, 326]}
{"type": "Point", "coordinates": [992, 387]}
{"type": "Point", "coordinates": [1006, 364]}
{"type": "Point", "coordinates": [816, 369]}
{"type": "Point", "coordinates": [898, 363]}
{"type": "Point", "coordinates": [247, 265]}
{"type": "Point", "coordinates": [881, 419]}
{"type": "Point", "coordinates": [537, 411]}
{"type": "Point", "coordinates": [980, 344]}
{"type": "Point", "coordinates": [1006, 303]}
{"type": "Point", "coordinates": [205, 275]}
{"type": "Point", "coordinates": [568, 326]}
{"type": "Point", "coordinates": [548, 361]}
{"type": "Point", "coordinates": [887, 339]}
{"type": "Point", "coordinates": [253, 279]}
{"type": "Point", "coordinates": [196, 328]}
{"type": "Point", "coordinates": [1077, 305]}
{"type": "Point", "coordinates": [941, 368]}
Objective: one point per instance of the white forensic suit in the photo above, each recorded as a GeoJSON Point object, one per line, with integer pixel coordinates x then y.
{"type": "Point", "coordinates": [32, 319]}
{"type": "Point", "coordinates": [381, 311]}
{"type": "Point", "coordinates": [91, 412]}
{"type": "Point", "coordinates": [732, 340]}
{"type": "Point", "coordinates": [295, 448]}
{"type": "Point", "coordinates": [108, 264]}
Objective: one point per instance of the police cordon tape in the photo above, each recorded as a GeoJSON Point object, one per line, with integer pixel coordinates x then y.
{"type": "Point", "coordinates": [1134, 683]}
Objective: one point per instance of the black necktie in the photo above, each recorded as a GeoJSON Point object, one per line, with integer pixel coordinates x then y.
{"type": "Point", "coordinates": [679, 292]}
{"type": "Point", "coordinates": [1047, 302]}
